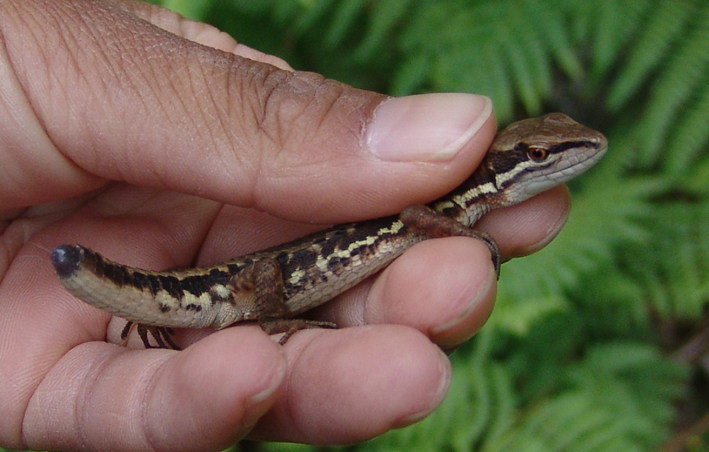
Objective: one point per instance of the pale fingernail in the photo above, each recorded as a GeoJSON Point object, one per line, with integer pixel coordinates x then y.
{"type": "Point", "coordinates": [255, 407]}
{"type": "Point", "coordinates": [274, 384]}
{"type": "Point", "coordinates": [465, 320]}
{"type": "Point", "coordinates": [437, 397]}
{"type": "Point", "coordinates": [425, 126]}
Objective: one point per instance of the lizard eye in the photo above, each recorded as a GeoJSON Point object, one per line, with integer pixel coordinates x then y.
{"type": "Point", "coordinates": [537, 154]}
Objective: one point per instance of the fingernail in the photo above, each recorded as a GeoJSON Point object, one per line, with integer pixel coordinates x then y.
{"type": "Point", "coordinates": [465, 320]}
{"type": "Point", "coordinates": [425, 126]}
{"type": "Point", "coordinates": [274, 384]}
{"type": "Point", "coordinates": [257, 404]}
{"type": "Point", "coordinates": [436, 398]}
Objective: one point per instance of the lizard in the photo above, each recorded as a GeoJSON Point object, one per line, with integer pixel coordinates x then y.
{"type": "Point", "coordinates": [274, 286]}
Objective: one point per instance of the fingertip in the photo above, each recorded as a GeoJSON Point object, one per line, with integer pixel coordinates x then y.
{"type": "Point", "coordinates": [443, 287]}
{"type": "Point", "coordinates": [352, 384]}
{"type": "Point", "coordinates": [557, 205]}
{"type": "Point", "coordinates": [218, 388]}
{"type": "Point", "coordinates": [468, 321]}
{"type": "Point", "coordinates": [529, 226]}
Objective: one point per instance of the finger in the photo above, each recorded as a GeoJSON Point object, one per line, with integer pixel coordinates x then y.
{"type": "Point", "coordinates": [444, 288]}
{"type": "Point", "coordinates": [204, 398]}
{"type": "Point", "coordinates": [198, 32]}
{"type": "Point", "coordinates": [219, 126]}
{"type": "Point", "coordinates": [529, 226]}
{"type": "Point", "coordinates": [349, 385]}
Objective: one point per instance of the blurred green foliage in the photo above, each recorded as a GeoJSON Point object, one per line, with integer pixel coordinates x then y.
{"type": "Point", "coordinates": [597, 342]}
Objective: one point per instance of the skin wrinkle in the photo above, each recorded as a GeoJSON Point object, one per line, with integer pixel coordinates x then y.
{"type": "Point", "coordinates": [79, 402]}
{"type": "Point", "coordinates": [329, 105]}
{"type": "Point", "coordinates": [84, 397]}
{"type": "Point", "coordinates": [13, 229]}
{"type": "Point", "coordinates": [128, 57]}
{"type": "Point", "coordinates": [198, 258]}
{"type": "Point", "coordinates": [229, 151]}
{"type": "Point", "coordinates": [327, 97]}
{"type": "Point", "coordinates": [211, 116]}
{"type": "Point", "coordinates": [110, 64]}
{"type": "Point", "coordinates": [200, 242]}
{"type": "Point", "coordinates": [131, 84]}
{"type": "Point", "coordinates": [144, 387]}
{"type": "Point", "coordinates": [256, 163]}
{"type": "Point", "coordinates": [177, 108]}
{"type": "Point", "coordinates": [158, 81]}
{"type": "Point", "coordinates": [199, 32]}
{"type": "Point", "coordinates": [31, 110]}
{"type": "Point", "coordinates": [150, 388]}
{"type": "Point", "coordinates": [218, 123]}
{"type": "Point", "coordinates": [289, 409]}
{"type": "Point", "coordinates": [13, 65]}
{"type": "Point", "coordinates": [221, 118]}
{"type": "Point", "coordinates": [269, 122]}
{"type": "Point", "coordinates": [309, 87]}
{"type": "Point", "coordinates": [174, 23]}
{"type": "Point", "coordinates": [7, 251]}
{"type": "Point", "coordinates": [263, 114]}
{"type": "Point", "coordinates": [76, 43]}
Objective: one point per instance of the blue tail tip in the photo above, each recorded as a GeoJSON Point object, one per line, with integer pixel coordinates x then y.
{"type": "Point", "coordinates": [66, 259]}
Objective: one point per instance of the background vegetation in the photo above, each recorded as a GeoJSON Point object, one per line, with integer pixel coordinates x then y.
{"type": "Point", "coordinates": [600, 341]}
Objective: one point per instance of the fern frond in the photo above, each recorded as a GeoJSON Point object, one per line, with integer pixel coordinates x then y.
{"type": "Point", "coordinates": [490, 48]}
{"type": "Point", "coordinates": [674, 271]}
{"type": "Point", "coordinates": [411, 75]}
{"type": "Point", "coordinates": [612, 305]}
{"type": "Point", "coordinates": [305, 17]}
{"type": "Point", "coordinates": [663, 23]}
{"type": "Point", "coordinates": [344, 18]}
{"type": "Point", "coordinates": [686, 73]}
{"type": "Point", "coordinates": [688, 142]}
{"type": "Point", "coordinates": [603, 406]}
{"type": "Point", "coordinates": [605, 27]}
{"type": "Point", "coordinates": [278, 447]}
{"type": "Point", "coordinates": [696, 179]}
{"type": "Point", "coordinates": [193, 9]}
{"type": "Point", "coordinates": [385, 16]}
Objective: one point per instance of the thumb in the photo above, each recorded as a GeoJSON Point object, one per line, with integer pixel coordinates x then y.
{"type": "Point", "coordinates": [95, 93]}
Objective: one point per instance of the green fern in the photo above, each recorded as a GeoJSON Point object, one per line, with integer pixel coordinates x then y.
{"type": "Point", "coordinates": [673, 272]}
{"type": "Point", "coordinates": [682, 82]}
{"type": "Point", "coordinates": [606, 401]}
{"type": "Point", "coordinates": [475, 47]}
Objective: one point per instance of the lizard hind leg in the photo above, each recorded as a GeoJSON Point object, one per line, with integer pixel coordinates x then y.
{"type": "Point", "coordinates": [291, 326]}
{"type": "Point", "coordinates": [162, 335]}
{"type": "Point", "coordinates": [265, 279]}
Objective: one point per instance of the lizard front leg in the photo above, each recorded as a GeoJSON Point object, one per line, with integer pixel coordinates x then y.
{"type": "Point", "coordinates": [424, 220]}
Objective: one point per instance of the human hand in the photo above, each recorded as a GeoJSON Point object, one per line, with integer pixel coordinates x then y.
{"type": "Point", "coordinates": [158, 151]}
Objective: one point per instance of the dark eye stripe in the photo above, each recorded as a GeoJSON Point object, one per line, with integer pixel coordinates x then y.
{"type": "Point", "coordinates": [561, 147]}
